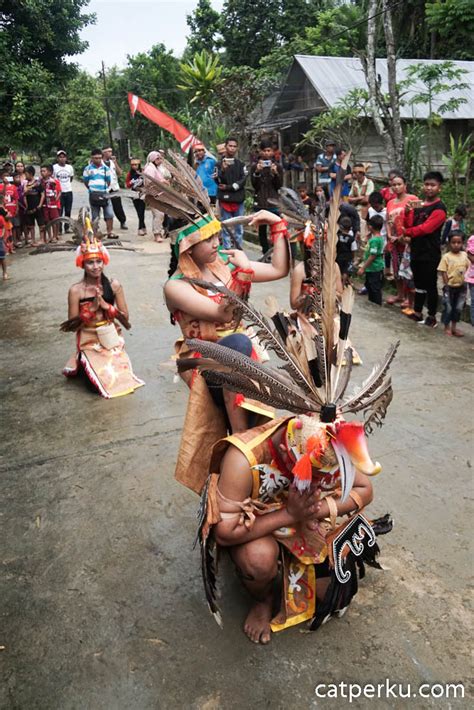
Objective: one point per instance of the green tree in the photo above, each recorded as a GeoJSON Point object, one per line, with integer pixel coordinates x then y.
{"type": "Point", "coordinates": [200, 77]}
{"type": "Point", "coordinates": [295, 15]}
{"type": "Point", "coordinates": [36, 39]}
{"type": "Point", "coordinates": [437, 79]}
{"type": "Point", "coordinates": [250, 30]}
{"type": "Point", "coordinates": [239, 95]}
{"type": "Point", "coordinates": [81, 120]}
{"type": "Point", "coordinates": [31, 95]}
{"type": "Point", "coordinates": [458, 161]}
{"type": "Point", "coordinates": [47, 31]}
{"type": "Point", "coordinates": [452, 26]}
{"type": "Point", "coordinates": [204, 23]}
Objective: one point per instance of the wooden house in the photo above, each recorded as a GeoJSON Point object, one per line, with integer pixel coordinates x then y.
{"type": "Point", "coordinates": [314, 84]}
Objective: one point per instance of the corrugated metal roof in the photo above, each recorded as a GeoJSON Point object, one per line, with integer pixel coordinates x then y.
{"type": "Point", "coordinates": [334, 77]}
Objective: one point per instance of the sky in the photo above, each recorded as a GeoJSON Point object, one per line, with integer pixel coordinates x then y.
{"type": "Point", "coordinates": [131, 26]}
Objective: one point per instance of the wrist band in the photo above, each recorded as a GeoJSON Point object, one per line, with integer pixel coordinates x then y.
{"type": "Point", "coordinates": [357, 500]}
{"type": "Point", "coordinates": [241, 280]}
{"type": "Point", "coordinates": [332, 506]}
{"type": "Point", "coordinates": [279, 229]}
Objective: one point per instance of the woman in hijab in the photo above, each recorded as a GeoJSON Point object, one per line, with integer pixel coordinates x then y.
{"type": "Point", "coordinates": [152, 169]}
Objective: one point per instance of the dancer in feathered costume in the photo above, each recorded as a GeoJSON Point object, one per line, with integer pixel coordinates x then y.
{"type": "Point", "coordinates": [293, 490]}
{"type": "Point", "coordinates": [94, 306]}
{"type": "Point", "coordinates": [205, 315]}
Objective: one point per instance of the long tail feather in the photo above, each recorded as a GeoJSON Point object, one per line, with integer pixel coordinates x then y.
{"type": "Point", "coordinates": [268, 337]}
{"type": "Point", "coordinates": [345, 315]}
{"type": "Point", "coordinates": [264, 374]}
{"type": "Point", "coordinates": [356, 402]}
{"type": "Point", "coordinates": [329, 271]}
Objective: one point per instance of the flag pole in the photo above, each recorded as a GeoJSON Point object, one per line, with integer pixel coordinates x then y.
{"type": "Point", "coordinates": [107, 108]}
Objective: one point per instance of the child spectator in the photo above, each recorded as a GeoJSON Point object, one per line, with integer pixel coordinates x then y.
{"type": "Point", "coordinates": [3, 250]}
{"type": "Point", "coordinates": [10, 204]}
{"type": "Point", "coordinates": [305, 198]}
{"type": "Point", "coordinates": [52, 200]}
{"type": "Point", "coordinates": [423, 226]}
{"type": "Point", "coordinates": [469, 276]}
{"type": "Point", "coordinates": [453, 267]}
{"type": "Point", "coordinates": [345, 248]}
{"type": "Point", "coordinates": [33, 198]}
{"type": "Point", "coordinates": [457, 221]}
{"type": "Point", "coordinates": [377, 207]}
{"type": "Point", "coordinates": [373, 264]}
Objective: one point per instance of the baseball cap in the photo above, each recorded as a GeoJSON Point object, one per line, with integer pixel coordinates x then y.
{"type": "Point", "coordinates": [61, 152]}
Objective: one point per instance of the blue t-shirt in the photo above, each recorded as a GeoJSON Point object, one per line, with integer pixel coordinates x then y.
{"type": "Point", "coordinates": [97, 179]}
{"type": "Point", "coordinates": [206, 170]}
{"type": "Point", "coordinates": [346, 188]}
{"type": "Point", "coordinates": [323, 161]}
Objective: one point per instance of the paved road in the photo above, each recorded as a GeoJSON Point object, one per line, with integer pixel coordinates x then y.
{"type": "Point", "coordinates": [100, 593]}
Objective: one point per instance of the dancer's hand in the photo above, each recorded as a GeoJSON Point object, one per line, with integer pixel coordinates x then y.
{"type": "Point", "coordinates": [264, 217]}
{"type": "Point", "coordinates": [237, 257]}
{"type": "Point", "coordinates": [302, 506]}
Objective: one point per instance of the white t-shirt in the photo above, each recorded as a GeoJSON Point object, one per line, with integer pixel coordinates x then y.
{"type": "Point", "coordinates": [64, 173]}
{"type": "Point", "coordinates": [383, 214]}
{"type": "Point", "coordinates": [114, 183]}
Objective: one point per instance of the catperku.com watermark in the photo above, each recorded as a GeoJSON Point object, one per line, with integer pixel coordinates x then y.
{"type": "Point", "coordinates": [389, 690]}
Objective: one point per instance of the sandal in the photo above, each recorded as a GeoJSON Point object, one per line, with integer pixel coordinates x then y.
{"type": "Point", "coordinates": [391, 300]}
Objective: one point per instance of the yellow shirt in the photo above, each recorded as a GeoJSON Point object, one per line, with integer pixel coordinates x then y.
{"type": "Point", "coordinates": [455, 266]}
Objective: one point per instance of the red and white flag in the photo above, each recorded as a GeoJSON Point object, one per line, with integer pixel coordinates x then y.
{"type": "Point", "coordinates": [182, 134]}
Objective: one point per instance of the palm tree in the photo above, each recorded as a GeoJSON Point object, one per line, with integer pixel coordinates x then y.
{"type": "Point", "coordinates": [201, 76]}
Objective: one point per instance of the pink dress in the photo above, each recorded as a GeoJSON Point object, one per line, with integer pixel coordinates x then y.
{"type": "Point", "coordinates": [396, 220]}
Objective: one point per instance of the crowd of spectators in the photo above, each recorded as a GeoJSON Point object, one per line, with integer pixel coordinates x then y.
{"type": "Point", "coordinates": [387, 236]}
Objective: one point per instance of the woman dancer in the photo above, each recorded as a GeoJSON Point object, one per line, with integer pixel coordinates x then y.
{"type": "Point", "coordinates": [94, 303]}
{"type": "Point", "coordinates": [206, 315]}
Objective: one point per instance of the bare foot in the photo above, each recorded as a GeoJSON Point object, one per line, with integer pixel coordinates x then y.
{"type": "Point", "coordinates": [458, 334]}
{"type": "Point", "coordinates": [5, 277]}
{"type": "Point", "coordinates": [257, 623]}
{"type": "Point", "coordinates": [447, 331]}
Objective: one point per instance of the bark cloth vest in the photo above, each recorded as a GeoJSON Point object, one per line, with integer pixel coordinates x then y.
{"type": "Point", "coordinates": [301, 549]}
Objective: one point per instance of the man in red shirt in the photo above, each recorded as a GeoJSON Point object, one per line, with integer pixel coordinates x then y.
{"type": "Point", "coordinates": [10, 204]}
{"type": "Point", "coordinates": [423, 226]}
{"type": "Point", "coordinates": [52, 200]}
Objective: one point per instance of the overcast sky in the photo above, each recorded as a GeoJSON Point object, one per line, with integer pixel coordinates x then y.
{"type": "Point", "coordinates": [131, 26]}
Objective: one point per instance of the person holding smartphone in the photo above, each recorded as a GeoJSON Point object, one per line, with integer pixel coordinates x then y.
{"type": "Point", "coordinates": [267, 178]}
{"type": "Point", "coordinates": [231, 176]}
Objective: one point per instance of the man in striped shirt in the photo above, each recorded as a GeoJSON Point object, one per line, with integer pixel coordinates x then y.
{"type": "Point", "coordinates": [97, 177]}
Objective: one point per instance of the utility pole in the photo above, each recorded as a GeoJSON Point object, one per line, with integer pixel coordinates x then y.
{"type": "Point", "coordinates": [107, 108]}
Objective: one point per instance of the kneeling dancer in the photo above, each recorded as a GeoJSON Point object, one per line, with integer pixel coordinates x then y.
{"type": "Point", "coordinates": [93, 306]}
